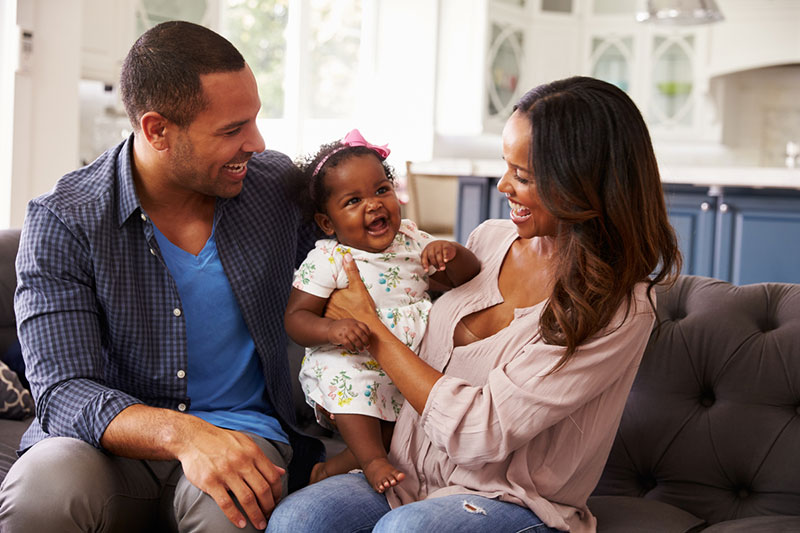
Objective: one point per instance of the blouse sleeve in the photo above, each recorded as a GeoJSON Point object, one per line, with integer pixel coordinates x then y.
{"type": "Point", "coordinates": [476, 425]}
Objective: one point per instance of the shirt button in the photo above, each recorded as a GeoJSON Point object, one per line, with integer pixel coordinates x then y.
{"type": "Point", "coordinates": [144, 217]}
{"type": "Point", "coordinates": [176, 312]}
{"type": "Point", "coordinates": [181, 374]}
{"type": "Point", "coordinates": [152, 251]}
{"type": "Point", "coordinates": [181, 407]}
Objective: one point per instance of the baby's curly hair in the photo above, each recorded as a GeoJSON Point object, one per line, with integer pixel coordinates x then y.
{"type": "Point", "coordinates": [310, 192]}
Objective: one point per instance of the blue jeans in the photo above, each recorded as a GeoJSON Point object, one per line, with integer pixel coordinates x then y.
{"type": "Point", "coordinates": [346, 503]}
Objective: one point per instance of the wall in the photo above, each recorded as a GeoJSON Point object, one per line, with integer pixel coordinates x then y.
{"type": "Point", "coordinates": [46, 128]}
{"type": "Point", "coordinates": [8, 61]}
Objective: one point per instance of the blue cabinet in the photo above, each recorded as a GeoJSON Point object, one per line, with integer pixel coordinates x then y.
{"type": "Point", "coordinates": [478, 200]}
{"type": "Point", "coordinates": [693, 215]}
{"type": "Point", "coordinates": [758, 236]}
{"type": "Point", "coordinates": [741, 235]}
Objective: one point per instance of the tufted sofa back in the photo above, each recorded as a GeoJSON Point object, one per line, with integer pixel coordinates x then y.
{"type": "Point", "coordinates": [712, 424]}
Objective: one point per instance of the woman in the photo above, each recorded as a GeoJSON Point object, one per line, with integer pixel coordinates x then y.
{"type": "Point", "coordinates": [514, 400]}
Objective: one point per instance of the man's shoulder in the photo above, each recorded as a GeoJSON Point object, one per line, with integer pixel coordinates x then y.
{"type": "Point", "coordinates": [271, 164]}
{"type": "Point", "coordinates": [86, 187]}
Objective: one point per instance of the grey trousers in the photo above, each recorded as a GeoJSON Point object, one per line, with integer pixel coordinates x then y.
{"type": "Point", "coordinates": [66, 485]}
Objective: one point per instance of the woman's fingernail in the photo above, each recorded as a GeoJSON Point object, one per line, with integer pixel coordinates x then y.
{"type": "Point", "coordinates": [348, 258]}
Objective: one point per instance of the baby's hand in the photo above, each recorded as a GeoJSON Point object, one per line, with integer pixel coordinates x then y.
{"type": "Point", "coordinates": [349, 333]}
{"type": "Point", "coordinates": [438, 254]}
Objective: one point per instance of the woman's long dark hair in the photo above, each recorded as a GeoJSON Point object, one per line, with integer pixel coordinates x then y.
{"type": "Point", "coordinates": [595, 171]}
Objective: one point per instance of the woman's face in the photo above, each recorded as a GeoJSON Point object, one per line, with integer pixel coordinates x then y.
{"type": "Point", "coordinates": [518, 184]}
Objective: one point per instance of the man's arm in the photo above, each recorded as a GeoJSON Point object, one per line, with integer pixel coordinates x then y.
{"type": "Point", "coordinates": [219, 462]}
{"type": "Point", "coordinates": [59, 323]}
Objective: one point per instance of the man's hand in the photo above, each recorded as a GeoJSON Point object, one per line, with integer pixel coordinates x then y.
{"type": "Point", "coordinates": [351, 334]}
{"type": "Point", "coordinates": [224, 463]}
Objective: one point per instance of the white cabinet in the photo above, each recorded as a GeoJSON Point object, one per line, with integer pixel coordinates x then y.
{"type": "Point", "coordinates": [110, 28]}
{"type": "Point", "coordinates": [106, 33]}
{"type": "Point", "coordinates": [480, 64]}
{"type": "Point", "coordinates": [663, 69]}
{"type": "Point", "coordinates": [491, 51]}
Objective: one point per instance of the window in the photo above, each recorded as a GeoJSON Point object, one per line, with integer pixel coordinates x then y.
{"type": "Point", "coordinates": [309, 58]}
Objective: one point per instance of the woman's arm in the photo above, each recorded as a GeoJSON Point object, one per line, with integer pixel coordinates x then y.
{"type": "Point", "coordinates": [307, 327]}
{"type": "Point", "coordinates": [413, 377]}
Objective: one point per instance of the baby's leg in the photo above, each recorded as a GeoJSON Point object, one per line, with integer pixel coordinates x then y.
{"type": "Point", "coordinates": [341, 463]}
{"type": "Point", "coordinates": [365, 439]}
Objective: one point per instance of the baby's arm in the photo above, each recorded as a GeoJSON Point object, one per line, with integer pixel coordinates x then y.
{"type": "Point", "coordinates": [454, 263]}
{"type": "Point", "coordinates": [307, 327]}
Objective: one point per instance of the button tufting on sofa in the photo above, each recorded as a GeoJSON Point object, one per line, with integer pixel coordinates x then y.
{"type": "Point", "coordinates": [707, 398]}
{"type": "Point", "coordinates": [712, 414]}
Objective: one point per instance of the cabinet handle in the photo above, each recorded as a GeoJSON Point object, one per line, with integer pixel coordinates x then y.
{"type": "Point", "coordinates": [723, 208]}
{"type": "Point", "coordinates": [704, 206]}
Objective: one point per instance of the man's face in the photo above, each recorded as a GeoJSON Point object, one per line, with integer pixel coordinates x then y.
{"type": "Point", "coordinates": [210, 155]}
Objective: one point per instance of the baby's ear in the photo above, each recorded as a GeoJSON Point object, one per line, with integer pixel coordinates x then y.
{"type": "Point", "coordinates": [325, 224]}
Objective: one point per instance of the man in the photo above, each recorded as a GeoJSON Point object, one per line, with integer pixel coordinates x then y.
{"type": "Point", "coordinates": [152, 284]}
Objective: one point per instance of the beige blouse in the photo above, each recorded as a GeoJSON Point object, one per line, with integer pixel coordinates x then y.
{"type": "Point", "coordinates": [495, 425]}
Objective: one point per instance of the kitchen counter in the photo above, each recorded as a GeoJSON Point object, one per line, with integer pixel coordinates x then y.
{"type": "Point", "coordinates": [755, 177]}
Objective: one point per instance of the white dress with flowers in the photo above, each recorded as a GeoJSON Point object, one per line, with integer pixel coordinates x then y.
{"type": "Point", "coordinates": [354, 383]}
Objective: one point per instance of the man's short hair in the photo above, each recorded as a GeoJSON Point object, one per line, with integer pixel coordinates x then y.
{"type": "Point", "coordinates": [162, 70]}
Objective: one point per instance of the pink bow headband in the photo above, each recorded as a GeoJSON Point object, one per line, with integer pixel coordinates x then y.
{"type": "Point", "coordinates": [354, 138]}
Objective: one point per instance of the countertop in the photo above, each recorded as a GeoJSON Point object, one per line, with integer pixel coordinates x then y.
{"type": "Point", "coordinates": [756, 177]}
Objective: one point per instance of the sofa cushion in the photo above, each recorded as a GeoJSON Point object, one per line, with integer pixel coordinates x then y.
{"type": "Point", "coordinates": [627, 514]}
{"type": "Point", "coordinates": [15, 400]}
{"type": "Point", "coordinates": [758, 524]}
{"type": "Point", "coordinates": [711, 423]}
{"type": "Point", "coordinates": [10, 434]}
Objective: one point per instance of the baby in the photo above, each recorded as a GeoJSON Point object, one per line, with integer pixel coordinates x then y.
{"type": "Point", "coordinates": [350, 189]}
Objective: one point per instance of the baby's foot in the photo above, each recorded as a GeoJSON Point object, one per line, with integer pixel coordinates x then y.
{"type": "Point", "coordinates": [318, 473]}
{"type": "Point", "coordinates": [381, 474]}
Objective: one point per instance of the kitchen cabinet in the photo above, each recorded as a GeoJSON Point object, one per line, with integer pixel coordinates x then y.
{"type": "Point", "coordinates": [491, 51]}
{"type": "Point", "coordinates": [741, 235]}
{"type": "Point", "coordinates": [110, 28]}
{"type": "Point", "coordinates": [480, 64]}
{"type": "Point", "coordinates": [478, 200]}
{"type": "Point", "coordinates": [692, 212]}
{"type": "Point", "coordinates": [738, 234]}
{"type": "Point", "coordinates": [758, 236]}
{"type": "Point", "coordinates": [664, 70]}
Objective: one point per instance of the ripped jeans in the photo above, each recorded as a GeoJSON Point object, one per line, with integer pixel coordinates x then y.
{"type": "Point", "coordinates": [347, 504]}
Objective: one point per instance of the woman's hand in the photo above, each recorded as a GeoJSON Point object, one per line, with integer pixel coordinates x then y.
{"type": "Point", "coordinates": [354, 301]}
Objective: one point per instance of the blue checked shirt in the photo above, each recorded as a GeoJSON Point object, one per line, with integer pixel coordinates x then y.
{"type": "Point", "coordinates": [99, 316]}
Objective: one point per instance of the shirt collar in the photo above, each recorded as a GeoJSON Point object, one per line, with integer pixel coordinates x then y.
{"type": "Point", "coordinates": [128, 199]}
{"type": "Point", "coordinates": [126, 190]}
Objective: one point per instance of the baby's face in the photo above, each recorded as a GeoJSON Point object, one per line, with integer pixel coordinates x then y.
{"type": "Point", "coordinates": [362, 209]}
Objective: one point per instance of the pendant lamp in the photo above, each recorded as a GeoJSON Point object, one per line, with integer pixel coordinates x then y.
{"type": "Point", "coordinates": [679, 12]}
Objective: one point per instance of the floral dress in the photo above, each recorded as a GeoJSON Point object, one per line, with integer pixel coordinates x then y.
{"type": "Point", "coordinates": [352, 382]}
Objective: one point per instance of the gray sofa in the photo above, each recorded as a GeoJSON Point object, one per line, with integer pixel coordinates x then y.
{"type": "Point", "coordinates": [710, 436]}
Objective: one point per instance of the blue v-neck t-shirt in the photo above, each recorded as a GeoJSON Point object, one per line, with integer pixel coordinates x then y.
{"type": "Point", "coordinates": [224, 376]}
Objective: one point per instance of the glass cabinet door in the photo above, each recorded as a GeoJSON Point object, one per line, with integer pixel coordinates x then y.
{"type": "Point", "coordinates": [672, 81]}
{"type": "Point", "coordinates": [612, 59]}
{"type": "Point", "coordinates": [505, 68]}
